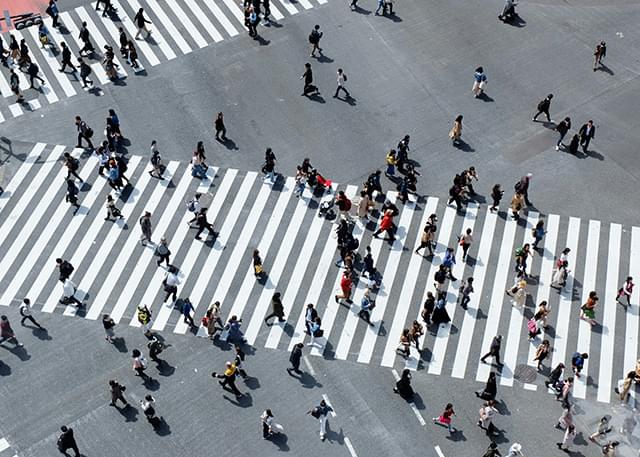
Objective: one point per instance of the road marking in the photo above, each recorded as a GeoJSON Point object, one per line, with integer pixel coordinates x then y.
{"type": "Point", "coordinates": [631, 333]}
{"type": "Point", "coordinates": [4, 444]}
{"type": "Point", "coordinates": [312, 372]}
{"type": "Point", "coordinates": [326, 399]}
{"type": "Point", "coordinates": [438, 451]}
{"type": "Point", "coordinates": [528, 386]}
{"type": "Point", "coordinates": [97, 68]}
{"type": "Point", "coordinates": [188, 25]}
{"type": "Point", "coordinates": [352, 451]}
{"type": "Point", "coordinates": [45, 87]}
{"type": "Point", "coordinates": [412, 405]}
{"type": "Point", "coordinates": [170, 28]}
{"type": "Point", "coordinates": [157, 38]}
{"type": "Point", "coordinates": [222, 19]}
{"type": "Point", "coordinates": [16, 110]}
{"type": "Point", "coordinates": [51, 60]}
{"type": "Point", "coordinates": [204, 20]}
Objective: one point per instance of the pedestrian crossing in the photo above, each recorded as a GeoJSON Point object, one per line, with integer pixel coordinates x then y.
{"type": "Point", "coordinates": [114, 273]}
{"type": "Point", "coordinates": [178, 28]}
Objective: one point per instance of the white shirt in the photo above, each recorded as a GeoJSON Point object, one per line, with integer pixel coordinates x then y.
{"type": "Point", "coordinates": [172, 279]}
{"type": "Point", "coordinates": [25, 309]}
{"type": "Point", "coordinates": [341, 79]}
{"type": "Point", "coordinates": [68, 288]}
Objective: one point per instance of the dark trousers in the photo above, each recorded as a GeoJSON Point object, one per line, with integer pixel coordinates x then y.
{"type": "Point", "coordinates": [81, 136]}
{"type": "Point", "coordinates": [265, 430]}
{"type": "Point", "coordinates": [546, 113]}
{"type": "Point", "coordinates": [222, 131]}
{"type": "Point", "coordinates": [465, 299]}
{"type": "Point", "coordinates": [73, 446]}
{"type": "Point", "coordinates": [141, 373]}
{"type": "Point", "coordinates": [163, 258]}
{"type": "Point", "coordinates": [296, 366]}
{"type": "Point", "coordinates": [231, 382]}
{"type": "Point", "coordinates": [562, 135]}
{"type": "Point", "coordinates": [86, 81]}
{"type": "Point", "coordinates": [189, 320]}
{"type": "Point", "coordinates": [495, 354]}
{"type": "Point", "coordinates": [33, 321]}
{"type": "Point", "coordinates": [65, 63]}
{"type": "Point", "coordinates": [172, 290]}
{"type": "Point", "coordinates": [457, 200]}
{"type": "Point", "coordinates": [32, 77]}
{"type": "Point", "coordinates": [339, 88]}
{"type": "Point", "coordinates": [365, 316]}
{"type": "Point", "coordinates": [55, 20]}
{"type": "Point", "coordinates": [71, 173]}
{"type": "Point", "coordinates": [465, 249]}
{"type": "Point", "coordinates": [496, 202]}
{"type": "Point", "coordinates": [585, 143]}
{"type": "Point", "coordinates": [87, 48]}
{"type": "Point", "coordinates": [279, 316]}
{"type": "Point", "coordinates": [205, 226]}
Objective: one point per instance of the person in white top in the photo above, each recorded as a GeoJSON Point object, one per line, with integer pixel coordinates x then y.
{"type": "Point", "coordinates": [341, 79]}
{"type": "Point", "coordinates": [170, 283]}
{"type": "Point", "coordinates": [25, 312]}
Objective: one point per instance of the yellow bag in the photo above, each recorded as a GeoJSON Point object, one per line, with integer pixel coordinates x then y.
{"type": "Point", "coordinates": [258, 269]}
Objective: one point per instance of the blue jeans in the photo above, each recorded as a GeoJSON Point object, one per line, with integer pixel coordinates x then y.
{"type": "Point", "coordinates": [380, 6]}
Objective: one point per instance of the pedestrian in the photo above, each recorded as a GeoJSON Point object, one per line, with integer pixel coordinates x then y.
{"type": "Point", "coordinates": [68, 294]}
{"type": "Point", "coordinates": [403, 385]}
{"type": "Point", "coordinates": [132, 55]}
{"type": "Point", "coordinates": [449, 261]}
{"type": "Point", "coordinates": [220, 128]}
{"type": "Point", "coordinates": [386, 225]}
{"type": "Point", "coordinates": [564, 392]}
{"type": "Point", "coordinates": [14, 49]}
{"type": "Point", "coordinates": [186, 309]}
{"type": "Point", "coordinates": [315, 331]}
{"type": "Point", "coordinates": [267, 421]}
{"type": "Point", "coordinates": [586, 132]}
{"type": "Point", "coordinates": [72, 194]}
{"type": "Point", "coordinates": [52, 10]}
{"type": "Point", "coordinates": [518, 292]}
{"type": "Point", "coordinates": [84, 132]}
{"type": "Point", "coordinates": [624, 386]}
{"type": "Point", "coordinates": [366, 306]}
{"type": "Point", "coordinates": [494, 350]}
{"type": "Point", "coordinates": [87, 48]}
{"type": "Point", "coordinates": [211, 318]}
{"type": "Point", "coordinates": [25, 312]}
{"type": "Point", "coordinates": [269, 165]}
{"type": "Point", "coordinates": [64, 268]}
{"type": "Point", "coordinates": [314, 39]}
{"type": "Point", "coordinates": [85, 71]}
{"type": "Point", "coordinates": [346, 286]}
{"type": "Point", "coordinates": [341, 80]}
{"type": "Point", "coordinates": [569, 436]}
{"type": "Point", "coordinates": [308, 88]}
{"type": "Point", "coordinates": [516, 448]}
{"type": "Point", "coordinates": [609, 449]}
{"type": "Point", "coordinates": [543, 107]}
{"type": "Point", "coordinates": [203, 223]}
{"type": "Point", "coordinates": [141, 23]}
{"type": "Point", "coordinates": [228, 378]}
{"type": "Point", "coordinates": [310, 315]}
{"type": "Point", "coordinates": [565, 419]}
{"type": "Point", "coordinates": [14, 83]}
{"type": "Point", "coordinates": [625, 292]}
{"type": "Point", "coordinates": [162, 252]}
{"type": "Point", "coordinates": [559, 278]}
{"type": "Point", "coordinates": [320, 412]}
{"type": "Point", "coordinates": [155, 348]}
{"type": "Point", "coordinates": [277, 309]}
{"type": "Point", "coordinates": [258, 269]}
{"type": "Point", "coordinates": [538, 233]}
{"type": "Point", "coordinates": [344, 205]}
{"type": "Point", "coordinates": [490, 389]}
{"type": "Point", "coordinates": [465, 241]}
{"type": "Point", "coordinates": [170, 283]}
{"type": "Point", "coordinates": [404, 345]}
{"type": "Point", "coordinates": [440, 278]}
{"type": "Point", "coordinates": [108, 8]}
{"type": "Point", "coordinates": [4, 53]}
{"type": "Point", "coordinates": [479, 82]}
{"type": "Point", "coordinates": [415, 332]}
{"type": "Point", "coordinates": [542, 352]}
{"type": "Point", "coordinates": [402, 155]}
{"type": "Point", "coordinates": [66, 57]}
{"type": "Point", "coordinates": [455, 195]}
{"type": "Point", "coordinates": [294, 358]}
{"type": "Point", "coordinates": [33, 71]}
{"type": "Point", "coordinates": [267, 10]}
{"type": "Point", "coordinates": [492, 451]}
{"type": "Point", "coordinates": [445, 418]}
{"type": "Point", "coordinates": [588, 310]}
{"type": "Point", "coordinates": [234, 332]}
{"type": "Point", "coordinates": [465, 290]}
{"type": "Point", "coordinates": [496, 196]}
{"type": "Point", "coordinates": [117, 393]}
{"type": "Point", "coordinates": [145, 227]}
{"type": "Point", "coordinates": [7, 333]}
{"type": "Point", "coordinates": [380, 7]}
{"type": "Point", "coordinates": [487, 412]}
{"type": "Point", "coordinates": [147, 406]}
{"type": "Point", "coordinates": [66, 439]}
{"type": "Point", "coordinates": [456, 131]}
{"type": "Point", "coordinates": [555, 375]}
{"type": "Point", "coordinates": [517, 203]}
{"type": "Point", "coordinates": [391, 160]}
{"type": "Point", "coordinates": [108, 324]}
{"type": "Point", "coordinates": [144, 318]}
{"type": "Point", "coordinates": [428, 233]}
{"type": "Point", "coordinates": [365, 204]}
{"type": "Point", "coordinates": [427, 308]}
{"type": "Point", "coordinates": [601, 431]}
{"type": "Point", "coordinates": [577, 362]}
{"type": "Point", "coordinates": [139, 364]}
{"type": "Point", "coordinates": [522, 187]}
{"type": "Point", "coordinates": [156, 161]}
{"type": "Point", "coordinates": [562, 128]}
{"type": "Point", "coordinates": [598, 55]}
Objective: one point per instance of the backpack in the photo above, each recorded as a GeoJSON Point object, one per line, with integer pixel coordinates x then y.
{"type": "Point", "coordinates": [191, 206]}
{"type": "Point", "coordinates": [49, 11]}
{"type": "Point", "coordinates": [89, 132]}
{"type": "Point", "coordinates": [75, 163]}
{"type": "Point", "coordinates": [519, 252]}
{"type": "Point", "coordinates": [347, 204]}
{"type": "Point", "coordinates": [541, 105]}
{"type": "Point", "coordinates": [66, 267]}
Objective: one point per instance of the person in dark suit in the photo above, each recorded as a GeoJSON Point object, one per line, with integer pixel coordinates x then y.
{"type": "Point", "coordinates": [294, 358]}
{"type": "Point", "coordinates": [67, 441]}
{"type": "Point", "coordinates": [586, 132]}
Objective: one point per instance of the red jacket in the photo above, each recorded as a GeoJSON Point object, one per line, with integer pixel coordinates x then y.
{"type": "Point", "coordinates": [345, 282]}
{"type": "Point", "coordinates": [387, 221]}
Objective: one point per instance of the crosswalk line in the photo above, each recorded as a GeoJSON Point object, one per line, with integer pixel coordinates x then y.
{"type": "Point", "coordinates": [5, 89]}
{"type": "Point", "coordinates": [297, 275]}
{"type": "Point", "coordinates": [223, 238]}
{"type": "Point", "coordinates": [45, 88]}
{"type": "Point", "coordinates": [497, 295]}
{"type": "Point", "coordinates": [235, 11]}
{"type": "Point", "coordinates": [471, 316]}
{"type": "Point", "coordinates": [545, 277]}
{"type": "Point", "coordinates": [34, 104]}
{"type": "Point", "coordinates": [221, 18]}
{"type": "Point", "coordinates": [53, 64]}
{"type": "Point", "coordinates": [305, 4]}
{"type": "Point", "coordinates": [1, 118]}
{"type": "Point", "coordinates": [275, 12]}
{"type": "Point", "coordinates": [609, 315]}
{"type": "Point", "coordinates": [289, 7]}
{"type": "Point", "coordinates": [188, 25]}
{"type": "Point", "coordinates": [16, 110]}
{"type": "Point", "coordinates": [131, 28]}
{"type": "Point", "coordinates": [204, 20]}
{"type": "Point", "coordinates": [39, 246]}
{"type": "Point", "coordinates": [168, 25]}
{"type": "Point", "coordinates": [514, 332]}
{"type": "Point", "coordinates": [134, 278]}
{"type": "Point", "coordinates": [588, 284]}
{"type": "Point", "coordinates": [18, 177]}
{"type": "Point", "coordinates": [164, 310]}
{"type": "Point", "coordinates": [322, 271]}
{"type": "Point", "coordinates": [444, 234]}
{"type": "Point", "coordinates": [404, 301]}
{"type": "Point", "coordinates": [632, 320]}
{"type": "Point", "coordinates": [157, 39]}
{"type": "Point", "coordinates": [566, 297]}
{"type": "Point", "coordinates": [390, 270]}
{"type": "Point", "coordinates": [276, 265]}
{"type": "Point", "coordinates": [90, 274]}
{"type": "Point", "coordinates": [441, 341]}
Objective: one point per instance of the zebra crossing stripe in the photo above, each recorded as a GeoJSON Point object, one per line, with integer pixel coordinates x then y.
{"type": "Point", "coordinates": [235, 11]}
{"type": "Point", "coordinates": [299, 270]}
{"type": "Point", "coordinates": [134, 278]}
{"type": "Point", "coordinates": [471, 316]}
{"type": "Point", "coordinates": [497, 295]}
{"type": "Point", "coordinates": [50, 58]}
{"type": "Point", "coordinates": [16, 110]}
{"type": "Point", "coordinates": [168, 25]}
{"type": "Point", "coordinates": [305, 4]}
{"type": "Point", "coordinates": [1, 118]}
{"type": "Point", "coordinates": [5, 88]}
{"type": "Point", "coordinates": [4, 444]}
{"type": "Point", "coordinates": [18, 177]}
{"type": "Point", "coordinates": [204, 20]}
{"type": "Point", "coordinates": [289, 7]}
{"type": "Point", "coordinates": [566, 297]}
{"type": "Point", "coordinates": [188, 25]}
{"type": "Point", "coordinates": [609, 315]}
{"type": "Point", "coordinates": [439, 348]}
{"type": "Point", "coordinates": [511, 344]}
{"type": "Point", "coordinates": [221, 18]}
{"type": "Point", "coordinates": [156, 38]}
{"type": "Point", "coordinates": [588, 284]}
{"type": "Point", "coordinates": [406, 294]}
{"type": "Point", "coordinates": [45, 88]}
{"type": "Point", "coordinates": [631, 327]}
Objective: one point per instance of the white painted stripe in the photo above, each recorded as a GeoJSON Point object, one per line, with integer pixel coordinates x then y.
{"type": "Point", "coordinates": [347, 443]}
{"type": "Point", "coordinates": [588, 284]}
{"type": "Point", "coordinates": [46, 88]}
{"type": "Point", "coordinates": [631, 329]}
{"type": "Point", "coordinates": [609, 315]}
{"type": "Point", "coordinates": [155, 36]}
{"type": "Point", "coordinates": [97, 37]}
{"type": "Point", "coordinates": [289, 6]}
{"type": "Point", "coordinates": [275, 12]}
{"type": "Point", "coordinates": [566, 297]}
{"type": "Point", "coordinates": [16, 110]}
{"type": "Point", "coordinates": [299, 270]}
{"type": "Point", "coordinates": [24, 84]}
{"type": "Point", "coordinates": [54, 220]}
{"type": "Point", "coordinates": [307, 363]}
{"type": "Point", "coordinates": [115, 36]}
{"type": "Point", "coordinates": [545, 277]}
{"type": "Point", "coordinates": [5, 88]}
{"type": "Point", "coordinates": [437, 448]}
{"type": "Point", "coordinates": [73, 33]}
{"type": "Point", "coordinates": [444, 234]}
{"type": "Point", "coordinates": [305, 4]}
{"type": "Point", "coordinates": [204, 20]}
{"type": "Point", "coordinates": [511, 344]}
{"type": "Point", "coordinates": [471, 316]}
{"type": "Point", "coordinates": [135, 277]}
{"type": "Point", "coordinates": [331, 310]}
{"type": "Point", "coordinates": [221, 18]}
{"type": "Point", "coordinates": [278, 263]}
{"type": "Point", "coordinates": [322, 2]}
{"type": "Point", "coordinates": [413, 406]}
{"type": "Point", "coordinates": [528, 386]}
{"type": "Point", "coordinates": [18, 177]}
{"type": "Point", "coordinates": [497, 296]}
{"type": "Point", "coordinates": [390, 271]}
{"type": "Point", "coordinates": [439, 347]}
{"type": "Point", "coordinates": [228, 234]}
{"type": "Point", "coordinates": [4, 444]}
{"type": "Point", "coordinates": [325, 261]}
{"type": "Point", "coordinates": [168, 25]}
{"type": "Point", "coordinates": [34, 104]}
{"type": "Point", "coordinates": [90, 274]}
{"type": "Point", "coordinates": [53, 64]}
{"type": "Point", "coordinates": [188, 25]}
{"type": "Point", "coordinates": [326, 399]}
{"type": "Point", "coordinates": [1, 118]}
{"type": "Point", "coordinates": [408, 287]}
{"type": "Point", "coordinates": [235, 11]}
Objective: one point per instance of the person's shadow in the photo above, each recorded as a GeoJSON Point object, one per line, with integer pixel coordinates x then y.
{"type": "Point", "coordinates": [605, 69]}
{"type": "Point", "coordinates": [316, 97]}
{"type": "Point", "coordinates": [229, 144]}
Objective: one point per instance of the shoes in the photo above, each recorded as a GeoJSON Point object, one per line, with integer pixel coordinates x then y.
{"type": "Point", "coordinates": [557, 148]}
{"type": "Point", "coordinates": [198, 238]}
{"type": "Point", "coordinates": [533, 119]}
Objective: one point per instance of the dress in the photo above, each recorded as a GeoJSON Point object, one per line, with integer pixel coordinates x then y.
{"type": "Point", "coordinates": [440, 315]}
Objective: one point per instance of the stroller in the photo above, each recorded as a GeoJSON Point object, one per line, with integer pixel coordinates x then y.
{"type": "Point", "coordinates": [318, 183]}
{"type": "Point", "coordinates": [326, 210]}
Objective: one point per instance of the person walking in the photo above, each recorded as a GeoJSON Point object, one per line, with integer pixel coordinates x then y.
{"type": "Point", "coordinates": [314, 40]}
{"type": "Point", "coordinates": [141, 23]}
{"type": "Point", "coordinates": [517, 203]}
{"type": "Point", "coordinates": [346, 286]}
{"type": "Point", "coordinates": [494, 350]}
{"type": "Point", "coordinates": [386, 225]}
{"type": "Point", "coordinates": [194, 207]}
{"type": "Point", "coordinates": [465, 291]}
{"type": "Point", "coordinates": [391, 161]}
{"type": "Point", "coordinates": [496, 196]}
{"type": "Point", "coordinates": [72, 195]}
{"type": "Point", "coordinates": [170, 284]}
{"type": "Point", "coordinates": [228, 379]}
{"type": "Point", "coordinates": [277, 309]}
{"type": "Point", "coordinates": [624, 386]}
{"type": "Point", "coordinates": [203, 223]}
{"type": "Point", "coordinates": [577, 362]}
{"type": "Point", "coordinates": [487, 412]}
{"type": "Point", "coordinates": [52, 10]}
{"type": "Point", "coordinates": [522, 187]}
{"type": "Point", "coordinates": [315, 331]}
{"type": "Point", "coordinates": [320, 412]}
{"type": "Point", "coordinates": [403, 385]}
{"type": "Point", "coordinates": [555, 376]}
{"type": "Point", "coordinates": [542, 352]}
{"type": "Point", "coordinates": [234, 332]}
{"type": "Point", "coordinates": [87, 48]}
{"type": "Point", "coordinates": [365, 204]}
{"type": "Point", "coordinates": [145, 227]}
{"type": "Point", "coordinates": [85, 71]}
{"type": "Point", "coordinates": [239, 361]}
{"type": "Point", "coordinates": [586, 132]}
{"type": "Point", "coordinates": [162, 252]}
{"type": "Point", "coordinates": [588, 310]}
{"type": "Point", "coordinates": [144, 318]}
{"type": "Point", "coordinates": [221, 131]}
{"type": "Point", "coordinates": [269, 166]}
{"type": "Point", "coordinates": [465, 241]}
{"type": "Point", "coordinates": [117, 393]}
{"type": "Point", "coordinates": [492, 451]}
{"type": "Point", "coordinates": [569, 436]}
{"type": "Point", "coordinates": [84, 132]}
{"type": "Point", "coordinates": [108, 324]}
{"type": "Point", "coordinates": [64, 269]}
{"type": "Point", "coordinates": [366, 306]}
{"type": "Point", "coordinates": [310, 314]}
{"type": "Point", "coordinates": [66, 440]}
{"type": "Point", "coordinates": [427, 308]}
{"type": "Point", "coordinates": [518, 293]}
{"type": "Point", "coordinates": [33, 71]}
{"type": "Point", "coordinates": [212, 320]}
{"type": "Point", "coordinates": [445, 418]}
{"type": "Point", "coordinates": [428, 233]}
{"type": "Point", "coordinates": [140, 364]}
{"type": "Point", "coordinates": [598, 54]}
{"type": "Point", "coordinates": [26, 313]}
{"type": "Point", "coordinates": [7, 333]}
{"type": "Point", "coordinates": [186, 309]}
{"type": "Point", "coordinates": [562, 128]}
{"type": "Point", "coordinates": [294, 358]}
{"type": "Point", "coordinates": [543, 108]}
{"type": "Point", "coordinates": [258, 268]}
{"type": "Point", "coordinates": [66, 58]}
{"type": "Point", "coordinates": [156, 161]}
{"type": "Point", "coordinates": [538, 233]}
{"type": "Point", "coordinates": [308, 88]}
{"type": "Point", "coordinates": [456, 131]}
{"type": "Point", "coordinates": [625, 292]}
{"type": "Point", "coordinates": [72, 164]}
{"type": "Point", "coordinates": [14, 83]}
{"type": "Point", "coordinates": [490, 389]}
{"type": "Point", "coordinates": [559, 278]}
{"type": "Point", "coordinates": [341, 80]}
{"type": "Point", "coordinates": [479, 82]}
{"type": "Point", "coordinates": [601, 431]}
{"type": "Point", "coordinates": [344, 205]}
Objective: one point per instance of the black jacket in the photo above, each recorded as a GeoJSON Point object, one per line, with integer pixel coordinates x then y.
{"type": "Point", "coordinates": [583, 131]}
{"type": "Point", "coordinates": [296, 355]}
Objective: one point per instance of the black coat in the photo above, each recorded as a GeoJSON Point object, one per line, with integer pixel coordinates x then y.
{"type": "Point", "coordinates": [296, 355]}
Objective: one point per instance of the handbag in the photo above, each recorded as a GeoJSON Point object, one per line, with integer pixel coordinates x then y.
{"type": "Point", "coordinates": [258, 268]}
{"type": "Point", "coordinates": [315, 412]}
